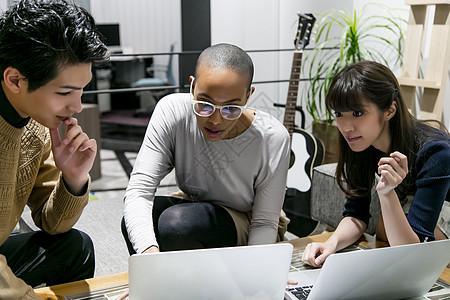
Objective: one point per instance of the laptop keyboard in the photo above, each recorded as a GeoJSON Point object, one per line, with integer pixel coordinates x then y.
{"type": "Point", "coordinates": [301, 292]}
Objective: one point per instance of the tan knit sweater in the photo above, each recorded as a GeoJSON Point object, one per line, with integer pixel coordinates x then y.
{"type": "Point", "coordinates": [28, 176]}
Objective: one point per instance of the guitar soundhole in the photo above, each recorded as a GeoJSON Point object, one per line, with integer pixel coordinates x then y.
{"type": "Point", "coordinates": [292, 159]}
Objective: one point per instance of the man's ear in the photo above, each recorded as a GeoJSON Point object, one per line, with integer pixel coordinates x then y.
{"type": "Point", "coordinates": [13, 79]}
{"type": "Point", "coordinates": [391, 111]}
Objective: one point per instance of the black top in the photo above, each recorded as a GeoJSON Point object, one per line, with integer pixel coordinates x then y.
{"type": "Point", "coordinates": [8, 112]}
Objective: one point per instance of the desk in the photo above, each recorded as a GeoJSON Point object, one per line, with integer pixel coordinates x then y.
{"type": "Point", "coordinates": [59, 291]}
{"type": "Point", "coordinates": [128, 69]}
{"type": "Point", "coordinates": [92, 284]}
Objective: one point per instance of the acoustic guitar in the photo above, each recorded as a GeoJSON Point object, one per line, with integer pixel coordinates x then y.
{"type": "Point", "coordinates": [306, 149]}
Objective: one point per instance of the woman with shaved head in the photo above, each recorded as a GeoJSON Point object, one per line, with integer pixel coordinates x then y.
{"type": "Point", "coordinates": [230, 163]}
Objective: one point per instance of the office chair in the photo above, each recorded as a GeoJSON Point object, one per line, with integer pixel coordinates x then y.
{"type": "Point", "coordinates": [168, 79]}
{"type": "Point", "coordinates": [151, 97]}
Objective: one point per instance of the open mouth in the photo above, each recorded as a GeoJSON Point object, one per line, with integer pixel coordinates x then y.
{"type": "Point", "coordinates": [213, 133]}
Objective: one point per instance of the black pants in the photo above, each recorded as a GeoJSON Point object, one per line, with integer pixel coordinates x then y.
{"type": "Point", "coordinates": [181, 225]}
{"type": "Point", "coordinates": [38, 257]}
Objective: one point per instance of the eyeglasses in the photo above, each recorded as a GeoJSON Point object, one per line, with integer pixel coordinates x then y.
{"type": "Point", "coordinates": [206, 109]}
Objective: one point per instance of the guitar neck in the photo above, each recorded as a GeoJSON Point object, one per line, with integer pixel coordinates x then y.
{"type": "Point", "coordinates": [291, 102]}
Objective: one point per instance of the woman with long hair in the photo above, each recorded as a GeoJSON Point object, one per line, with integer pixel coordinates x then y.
{"type": "Point", "coordinates": [381, 143]}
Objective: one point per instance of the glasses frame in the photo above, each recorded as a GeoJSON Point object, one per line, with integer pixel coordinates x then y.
{"type": "Point", "coordinates": [220, 107]}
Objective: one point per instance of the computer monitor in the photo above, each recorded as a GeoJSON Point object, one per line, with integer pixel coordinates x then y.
{"type": "Point", "coordinates": [111, 32]}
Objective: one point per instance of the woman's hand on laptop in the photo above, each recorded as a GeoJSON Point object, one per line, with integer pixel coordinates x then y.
{"type": "Point", "coordinates": [316, 253]}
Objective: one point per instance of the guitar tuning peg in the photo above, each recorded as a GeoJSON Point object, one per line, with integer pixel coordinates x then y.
{"type": "Point", "coordinates": [313, 34]}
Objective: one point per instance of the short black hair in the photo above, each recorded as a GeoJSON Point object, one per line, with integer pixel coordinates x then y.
{"type": "Point", "coordinates": [227, 56]}
{"type": "Point", "coordinates": [38, 36]}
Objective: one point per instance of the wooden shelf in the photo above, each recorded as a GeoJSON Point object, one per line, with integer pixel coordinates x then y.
{"type": "Point", "coordinates": [419, 82]}
{"type": "Point", "coordinates": [432, 97]}
{"type": "Point", "coordinates": [426, 2]}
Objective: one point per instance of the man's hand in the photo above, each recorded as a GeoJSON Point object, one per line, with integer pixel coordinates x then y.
{"type": "Point", "coordinates": [74, 155]}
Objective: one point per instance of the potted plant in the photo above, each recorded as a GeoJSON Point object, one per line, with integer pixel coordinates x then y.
{"type": "Point", "coordinates": [363, 36]}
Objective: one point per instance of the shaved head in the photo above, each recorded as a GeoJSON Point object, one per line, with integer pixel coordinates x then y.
{"type": "Point", "coordinates": [226, 56]}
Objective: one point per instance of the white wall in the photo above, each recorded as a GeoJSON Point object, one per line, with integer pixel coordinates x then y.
{"type": "Point", "coordinates": [253, 25]}
{"type": "Point", "coordinates": [145, 26]}
{"type": "Point", "coordinates": [269, 24]}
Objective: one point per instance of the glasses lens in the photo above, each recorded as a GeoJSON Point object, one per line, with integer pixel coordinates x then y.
{"type": "Point", "coordinates": [203, 109]}
{"type": "Point", "coordinates": [231, 112]}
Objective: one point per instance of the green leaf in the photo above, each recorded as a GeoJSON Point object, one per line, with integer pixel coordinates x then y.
{"type": "Point", "coordinates": [361, 38]}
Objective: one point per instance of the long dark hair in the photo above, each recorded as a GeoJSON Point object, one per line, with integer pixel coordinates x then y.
{"type": "Point", "coordinates": [355, 171]}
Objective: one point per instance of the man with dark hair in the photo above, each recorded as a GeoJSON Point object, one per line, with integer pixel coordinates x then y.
{"type": "Point", "coordinates": [46, 52]}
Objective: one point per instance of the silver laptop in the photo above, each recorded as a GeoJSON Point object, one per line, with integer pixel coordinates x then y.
{"type": "Point", "coordinates": [384, 273]}
{"type": "Point", "coordinates": [245, 272]}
